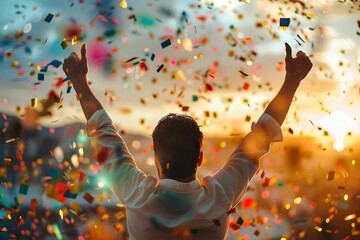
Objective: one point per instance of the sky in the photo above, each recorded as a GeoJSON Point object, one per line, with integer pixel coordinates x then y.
{"type": "Point", "coordinates": [225, 61]}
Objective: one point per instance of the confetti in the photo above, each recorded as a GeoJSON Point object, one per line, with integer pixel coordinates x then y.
{"type": "Point", "coordinates": [88, 197]}
{"type": "Point", "coordinates": [64, 44]}
{"type": "Point", "coordinates": [349, 217]}
{"type": "Point", "coordinates": [68, 194]}
{"type": "Point", "coordinates": [49, 17]}
{"type": "Point", "coordinates": [41, 77]}
{"type": "Point", "coordinates": [246, 86]}
{"type": "Point", "coordinates": [300, 38]}
{"type": "Point", "coordinates": [131, 59]}
{"type": "Point", "coordinates": [24, 189]}
{"type": "Point", "coordinates": [34, 102]}
{"type": "Point", "coordinates": [54, 174]}
{"type": "Point", "coordinates": [166, 43]}
{"type": "Point", "coordinates": [123, 4]}
{"type": "Point", "coordinates": [330, 175]}
{"type": "Point", "coordinates": [284, 22]}
{"type": "Point", "coordinates": [55, 63]}
{"type": "Point", "coordinates": [33, 204]}
{"type": "Point", "coordinates": [159, 68]}
{"type": "Point", "coordinates": [240, 221]}
{"type": "Point", "coordinates": [11, 140]}
{"type": "Point", "coordinates": [245, 74]}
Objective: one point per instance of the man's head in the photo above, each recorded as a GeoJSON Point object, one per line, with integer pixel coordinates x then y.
{"type": "Point", "coordinates": [177, 145]}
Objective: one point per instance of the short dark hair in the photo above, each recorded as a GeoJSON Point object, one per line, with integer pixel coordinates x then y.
{"type": "Point", "coordinates": [177, 144]}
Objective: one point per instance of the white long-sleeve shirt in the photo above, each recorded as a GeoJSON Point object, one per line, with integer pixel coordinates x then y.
{"type": "Point", "coordinates": [165, 208]}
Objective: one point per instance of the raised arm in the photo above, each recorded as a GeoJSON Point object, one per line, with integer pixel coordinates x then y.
{"type": "Point", "coordinates": [263, 133]}
{"type": "Point", "coordinates": [113, 156]}
{"type": "Point", "coordinates": [77, 69]}
{"type": "Point", "coordinates": [244, 162]}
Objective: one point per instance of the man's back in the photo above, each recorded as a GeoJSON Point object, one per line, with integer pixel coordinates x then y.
{"type": "Point", "coordinates": [166, 208]}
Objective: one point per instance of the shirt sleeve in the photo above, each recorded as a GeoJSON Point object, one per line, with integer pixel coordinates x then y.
{"type": "Point", "coordinates": [240, 168]}
{"type": "Point", "coordinates": [113, 156]}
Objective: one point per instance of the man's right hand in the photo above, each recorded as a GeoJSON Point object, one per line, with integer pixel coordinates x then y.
{"type": "Point", "coordinates": [76, 68]}
{"type": "Point", "coordinates": [296, 68]}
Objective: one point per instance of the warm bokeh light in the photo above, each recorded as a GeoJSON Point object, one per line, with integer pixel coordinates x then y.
{"type": "Point", "coordinates": [338, 124]}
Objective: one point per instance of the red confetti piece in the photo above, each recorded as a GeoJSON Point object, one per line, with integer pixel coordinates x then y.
{"type": "Point", "coordinates": [209, 87]}
{"type": "Point", "coordinates": [143, 67]}
{"type": "Point", "coordinates": [233, 210]}
{"type": "Point", "coordinates": [20, 222]}
{"type": "Point", "coordinates": [102, 155]}
{"type": "Point", "coordinates": [60, 190]}
{"type": "Point", "coordinates": [88, 197]}
{"type": "Point", "coordinates": [290, 131]}
{"type": "Point", "coordinates": [234, 226]}
{"type": "Point", "coordinates": [248, 203]}
{"type": "Point", "coordinates": [19, 156]}
{"type": "Point", "coordinates": [33, 204]}
{"type": "Point", "coordinates": [246, 86]}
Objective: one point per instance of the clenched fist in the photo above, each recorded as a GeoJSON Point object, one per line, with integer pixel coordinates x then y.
{"type": "Point", "coordinates": [297, 68]}
{"type": "Point", "coordinates": [75, 67]}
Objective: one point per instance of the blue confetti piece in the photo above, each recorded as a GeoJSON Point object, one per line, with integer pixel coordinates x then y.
{"type": "Point", "coordinates": [68, 89]}
{"type": "Point", "coordinates": [27, 50]}
{"type": "Point", "coordinates": [152, 57]}
{"type": "Point", "coordinates": [49, 17]}
{"type": "Point", "coordinates": [55, 63]}
{"type": "Point", "coordinates": [68, 194]}
{"type": "Point", "coordinates": [159, 68]}
{"type": "Point", "coordinates": [183, 17]}
{"type": "Point", "coordinates": [66, 79]}
{"type": "Point", "coordinates": [166, 43]}
{"type": "Point", "coordinates": [284, 22]}
{"type": "Point", "coordinates": [41, 77]}
{"type": "Point", "coordinates": [53, 173]}
{"type": "Point", "coordinates": [240, 221]}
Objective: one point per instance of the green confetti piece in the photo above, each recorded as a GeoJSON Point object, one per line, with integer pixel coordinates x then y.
{"type": "Point", "coordinates": [24, 188]}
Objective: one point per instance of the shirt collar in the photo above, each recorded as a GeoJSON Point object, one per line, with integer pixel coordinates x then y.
{"type": "Point", "coordinates": [180, 186]}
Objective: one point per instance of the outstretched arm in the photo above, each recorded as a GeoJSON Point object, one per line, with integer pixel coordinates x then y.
{"type": "Point", "coordinates": [263, 132]}
{"type": "Point", "coordinates": [296, 70]}
{"type": "Point", "coordinates": [113, 156]}
{"type": "Point", "coordinates": [244, 162]}
{"type": "Point", "coordinates": [77, 69]}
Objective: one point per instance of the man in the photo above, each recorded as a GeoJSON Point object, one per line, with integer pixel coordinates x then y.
{"type": "Point", "coordinates": [178, 205]}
